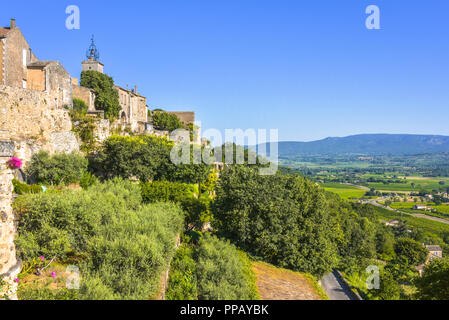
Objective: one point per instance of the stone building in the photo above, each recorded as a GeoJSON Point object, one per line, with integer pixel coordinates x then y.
{"type": "Point", "coordinates": [15, 55]}
{"type": "Point", "coordinates": [134, 112]}
{"type": "Point", "coordinates": [85, 94]}
{"type": "Point", "coordinates": [134, 109]}
{"type": "Point", "coordinates": [20, 68]}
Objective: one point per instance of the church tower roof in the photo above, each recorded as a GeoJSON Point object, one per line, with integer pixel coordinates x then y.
{"type": "Point", "coordinates": [93, 53]}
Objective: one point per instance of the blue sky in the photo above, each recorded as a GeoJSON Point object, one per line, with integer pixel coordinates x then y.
{"type": "Point", "coordinates": [309, 68]}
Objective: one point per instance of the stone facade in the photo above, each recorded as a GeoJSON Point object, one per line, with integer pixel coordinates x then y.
{"type": "Point", "coordinates": [92, 65]}
{"type": "Point", "coordinates": [15, 56]}
{"type": "Point", "coordinates": [50, 76]}
{"type": "Point", "coordinates": [134, 109]}
{"type": "Point", "coordinates": [10, 266]}
{"type": "Point", "coordinates": [85, 94]}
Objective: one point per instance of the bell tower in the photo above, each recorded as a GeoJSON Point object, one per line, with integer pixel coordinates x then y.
{"type": "Point", "coordinates": [92, 55]}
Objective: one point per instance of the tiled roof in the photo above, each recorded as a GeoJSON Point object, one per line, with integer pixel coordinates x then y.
{"type": "Point", "coordinates": [434, 248]}
{"type": "Point", "coordinates": [4, 32]}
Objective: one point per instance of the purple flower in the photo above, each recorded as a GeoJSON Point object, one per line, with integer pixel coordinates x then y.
{"type": "Point", "coordinates": [53, 275]}
{"type": "Point", "coordinates": [15, 163]}
{"type": "Point", "coordinates": [16, 280]}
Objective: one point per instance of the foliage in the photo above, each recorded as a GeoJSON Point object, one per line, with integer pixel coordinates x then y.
{"type": "Point", "coordinates": [282, 219]}
{"type": "Point", "coordinates": [79, 107]}
{"type": "Point", "coordinates": [23, 188]}
{"type": "Point", "coordinates": [58, 223]}
{"type": "Point", "coordinates": [107, 97]}
{"type": "Point", "coordinates": [196, 210]}
{"type": "Point", "coordinates": [145, 157]}
{"type": "Point", "coordinates": [166, 121]}
{"type": "Point", "coordinates": [128, 256]}
{"type": "Point", "coordinates": [412, 252]}
{"type": "Point", "coordinates": [47, 294]}
{"type": "Point", "coordinates": [182, 279]}
{"type": "Point", "coordinates": [222, 272]}
{"type": "Point", "coordinates": [126, 245]}
{"type": "Point", "coordinates": [57, 169]}
{"type": "Point", "coordinates": [166, 191]}
{"type": "Point", "coordinates": [434, 283]}
{"type": "Point", "coordinates": [389, 288]}
{"type": "Point", "coordinates": [88, 180]}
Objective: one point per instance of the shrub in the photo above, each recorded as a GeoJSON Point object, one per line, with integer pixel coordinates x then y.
{"type": "Point", "coordinates": [128, 256]}
{"type": "Point", "coordinates": [222, 272]}
{"type": "Point", "coordinates": [182, 283]}
{"type": "Point", "coordinates": [88, 180]}
{"type": "Point", "coordinates": [145, 157]}
{"type": "Point", "coordinates": [79, 107]}
{"type": "Point", "coordinates": [197, 211]}
{"type": "Point", "coordinates": [126, 245]}
{"type": "Point", "coordinates": [22, 188]}
{"type": "Point", "coordinates": [166, 191]}
{"type": "Point", "coordinates": [166, 121]}
{"type": "Point", "coordinates": [57, 223]}
{"type": "Point", "coordinates": [57, 169]}
{"type": "Point", "coordinates": [107, 97]}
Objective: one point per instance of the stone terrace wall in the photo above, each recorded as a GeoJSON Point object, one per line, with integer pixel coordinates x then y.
{"type": "Point", "coordinates": [35, 122]}
{"type": "Point", "coordinates": [9, 264]}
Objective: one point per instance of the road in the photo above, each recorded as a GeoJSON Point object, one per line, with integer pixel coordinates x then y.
{"type": "Point", "coordinates": [335, 288]}
{"type": "Point", "coordinates": [421, 216]}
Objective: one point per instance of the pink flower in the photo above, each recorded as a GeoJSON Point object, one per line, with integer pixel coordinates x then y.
{"type": "Point", "coordinates": [15, 163]}
{"type": "Point", "coordinates": [17, 280]}
{"type": "Point", "coordinates": [42, 258]}
{"type": "Point", "coordinates": [53, 275]}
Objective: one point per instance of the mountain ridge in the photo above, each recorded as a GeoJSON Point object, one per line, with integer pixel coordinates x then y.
{"type": "Point", "coordinates": [367, 144]}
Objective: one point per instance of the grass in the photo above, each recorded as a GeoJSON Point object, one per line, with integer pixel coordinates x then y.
{"type": "Point", "coordinates": [344, 191]}
{"type": "Point", "coordinates": [442, 210]}
{"type": "Point", "coordinates": [427, 226]}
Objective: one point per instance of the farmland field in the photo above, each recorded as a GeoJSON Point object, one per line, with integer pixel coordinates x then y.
{"type": "Point", "coordinates": [413, 184]}
{"type": "Point", "coordinates": [344, 191]}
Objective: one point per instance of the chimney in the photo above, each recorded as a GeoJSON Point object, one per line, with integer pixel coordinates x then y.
{"type": "Point", "coordinates": [13, 24]}
{"type": "Point", "coordinates": [135, 89]}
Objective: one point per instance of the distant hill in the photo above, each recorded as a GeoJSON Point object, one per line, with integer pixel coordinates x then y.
{"type": "Point", "coordinates": [367, 144]}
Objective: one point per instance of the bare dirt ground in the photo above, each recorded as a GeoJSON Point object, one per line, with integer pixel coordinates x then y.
{"type": "Point", "coordinates": [280, 284]}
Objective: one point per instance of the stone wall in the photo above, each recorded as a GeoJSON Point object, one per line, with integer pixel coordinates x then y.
{"type": "Point", "coordinates": [102, 130]}
{"type": "Point", "coordinates": [85, 94]}
{"type": "Point", "coordinates": [35, 121]}
{"type": "Point", "coordinates": [15, 71]}
{"type": "Point", "coordinates": [2, 52]}
{"type": "Point", "coordinates": [10, 266]}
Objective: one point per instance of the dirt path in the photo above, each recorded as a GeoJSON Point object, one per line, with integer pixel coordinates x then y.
{"type": "Point", "coordinates": [280, 284]}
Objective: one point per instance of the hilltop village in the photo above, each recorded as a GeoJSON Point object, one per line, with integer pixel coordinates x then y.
{"type": "Point", "coordinates": [36, 97]}
{"type": "Point", "coordinates": [36, 100]}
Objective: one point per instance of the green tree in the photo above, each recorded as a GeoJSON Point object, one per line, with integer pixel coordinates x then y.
{"type": "Point", "coordinates": [389, 288]}
{"type": "Point", "coordinates": [166, 121]}
{"type": "Point", "coordinates": [282, 219]}
{"type": "Point", "coordinates": [434, 283]}
{"type": "Point", "coordinates": [144, 157]}
{"type": "Point", "coordinates": [107, 98]}
{"type": "Point", "coordinates": [410, 250]}
{"type": "Point", "coordinates": [56, 169]}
